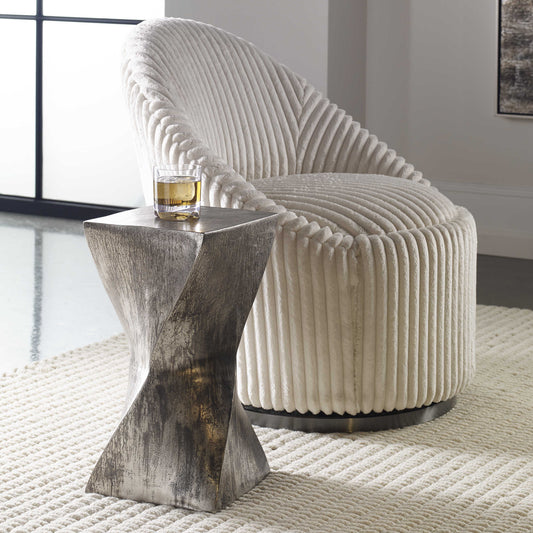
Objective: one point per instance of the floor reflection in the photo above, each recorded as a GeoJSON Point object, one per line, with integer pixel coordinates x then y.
{"type": "Point", "coordinates": [52, 299]}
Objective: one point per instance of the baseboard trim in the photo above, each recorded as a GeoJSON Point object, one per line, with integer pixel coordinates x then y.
{"type": "Point", "coordinates": [504, 216]}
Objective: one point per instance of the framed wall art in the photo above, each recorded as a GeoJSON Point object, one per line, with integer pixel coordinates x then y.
{"type": "Point", "coordinates": [515, 58]}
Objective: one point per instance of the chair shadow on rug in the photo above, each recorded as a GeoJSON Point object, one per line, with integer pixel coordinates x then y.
{"type": "Point", "coordinates": [406, 492]}
{"type": "Point", "coordinates": [478, 424]}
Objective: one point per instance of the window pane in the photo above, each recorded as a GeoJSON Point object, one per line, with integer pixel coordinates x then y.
{"type": "Point", "coordinates": [17, 107]}
{"type": "Point", "coordinates": [123, 9]}
{"type": "Point", "coordinates": [17, 7]}
{"type": "Point", "coordinates": [88, 148]}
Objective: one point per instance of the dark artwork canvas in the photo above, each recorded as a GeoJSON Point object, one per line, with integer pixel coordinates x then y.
{"type": "Point", "coordinates": [515, 69]}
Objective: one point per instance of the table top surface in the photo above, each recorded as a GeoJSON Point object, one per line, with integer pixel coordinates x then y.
{"type": "Point", "coordinates": [211, 219]}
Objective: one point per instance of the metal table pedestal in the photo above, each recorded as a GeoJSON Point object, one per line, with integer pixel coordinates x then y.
{"type": "Point", "coordinates": [183, 291]}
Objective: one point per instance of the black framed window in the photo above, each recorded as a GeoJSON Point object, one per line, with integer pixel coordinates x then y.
{"type": "Point", "coordinates": [67, 147]}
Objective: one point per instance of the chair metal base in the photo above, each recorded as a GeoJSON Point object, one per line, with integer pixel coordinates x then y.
{"type": "Point", "coordinates": [322, 423]}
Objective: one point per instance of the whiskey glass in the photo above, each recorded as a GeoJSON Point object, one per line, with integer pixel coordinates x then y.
{"type": "Point", "coordinates": [177, 191]}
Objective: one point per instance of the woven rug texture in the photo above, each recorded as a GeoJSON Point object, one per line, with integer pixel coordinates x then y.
{"type": "Point", "coordinates": [469, 471]}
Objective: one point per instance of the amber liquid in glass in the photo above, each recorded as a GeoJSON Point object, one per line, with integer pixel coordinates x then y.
{"type": "Point", "coordinates": [177, 198]}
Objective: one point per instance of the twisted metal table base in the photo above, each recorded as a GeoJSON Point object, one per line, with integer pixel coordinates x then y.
{"type": "Point", "coordinates": [183, 291]}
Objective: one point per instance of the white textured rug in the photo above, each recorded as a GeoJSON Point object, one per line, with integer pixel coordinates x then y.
{"type": "Point", "coordinates": [468, 471]}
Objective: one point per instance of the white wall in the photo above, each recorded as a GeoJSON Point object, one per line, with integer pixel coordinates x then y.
{"type": "Point", "coordinates": [294, 32]}
{"type": "Point", "coordinates": [431, 94]}
{"type": "Point", "coordinates": [387, 72]}
{"type": "Point", "coordinates": [347, 56]}
{"type": "Point", "coordinates": [437, 62]}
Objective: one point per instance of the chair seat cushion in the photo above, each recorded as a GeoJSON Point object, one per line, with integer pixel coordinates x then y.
{"type": "Point", "coordinates": [355, 204]}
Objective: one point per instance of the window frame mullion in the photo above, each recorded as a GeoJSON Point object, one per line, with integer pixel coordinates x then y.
{"type": "Point", "coordinates": [39, 101]}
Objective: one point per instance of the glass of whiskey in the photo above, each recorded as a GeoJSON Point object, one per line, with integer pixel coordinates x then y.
{"type": "Point", "coordinates": [177, 191]}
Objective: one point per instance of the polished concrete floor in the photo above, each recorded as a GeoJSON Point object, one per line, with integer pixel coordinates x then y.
{"type": "Point", "coordinates": [52, 299]}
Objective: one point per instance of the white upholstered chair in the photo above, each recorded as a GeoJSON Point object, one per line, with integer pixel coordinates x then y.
{"type": "Point", "coordinates": [367, 304]}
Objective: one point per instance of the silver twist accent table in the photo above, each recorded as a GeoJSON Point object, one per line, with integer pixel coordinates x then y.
{"type": "Point", "coordinates": [183, 291]}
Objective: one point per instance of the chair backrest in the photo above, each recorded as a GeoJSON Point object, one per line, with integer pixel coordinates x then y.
{"type": "Point", "coordinates": [236, 99]}
{"type": "Point", "coordinates": [198, 93]}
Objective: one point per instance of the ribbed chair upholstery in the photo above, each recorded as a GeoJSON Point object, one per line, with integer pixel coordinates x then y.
{"type": "Point", "coordinates": [368, 301]}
